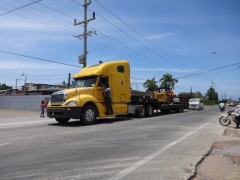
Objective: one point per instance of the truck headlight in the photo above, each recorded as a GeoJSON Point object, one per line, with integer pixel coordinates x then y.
{"type": "Point", "coordinates": [70, 103]}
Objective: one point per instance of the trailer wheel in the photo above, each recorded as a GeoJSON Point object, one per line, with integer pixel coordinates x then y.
{"type": "Point", "coordinates": [182, 108]}
{"type": "Point", "coordinates": [149, 111]}
{"type": "Point", "coordinates": [88, 116]}
{"type": "Point", "coordinates": [62, 120]}
{"type": "Point", "coordinates": [140, 111]}
{"type": "Point", "coordinates": [178, 110]}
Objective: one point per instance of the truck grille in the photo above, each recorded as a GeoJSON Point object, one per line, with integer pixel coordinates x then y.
{"type": "Point", "coordinates": [58, 97]}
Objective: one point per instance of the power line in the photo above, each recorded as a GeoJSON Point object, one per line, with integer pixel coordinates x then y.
{"type": "Point", "coordinates": [35, 74]}
{"type": "Point", "coordinates": [137, 32]}
{"type": "Point", "coordinates": [65, 21]}
{"type": "Point", "coordinates": [134, 38]}
{"type": "Point", "coordinates": [51, 26]}
{"type": "Point", "coordinates": [208, 70]}
{"type": "Point", "coordinates": [19, 8]}
{"type": "Point", "coordinates": [39, 58]}
{"type": "Point", "coordinates": [112, 39]}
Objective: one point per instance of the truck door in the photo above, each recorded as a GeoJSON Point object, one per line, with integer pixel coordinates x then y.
{"type": "Point", "coordinates": [102, 80]}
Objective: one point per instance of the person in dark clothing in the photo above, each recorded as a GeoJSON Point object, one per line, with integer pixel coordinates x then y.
{"type": "Point", "coordinates": [108, 101]}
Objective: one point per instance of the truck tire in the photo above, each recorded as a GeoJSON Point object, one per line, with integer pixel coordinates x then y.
{"type": "Point", "coordinates": [62, 120]}
{"type": "Point", "coordinates": [178, 110]}
{"type": "Point", "coordinates": [88, 116]}
{"type": "Point", "coordinates": [140, 111]}
{"type": "Point", "coordinates": [182, 108]}
{"type": "Point", "coordinates": [149, 111]}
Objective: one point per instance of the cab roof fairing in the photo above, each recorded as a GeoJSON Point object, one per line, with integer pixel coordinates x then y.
{"type": "Point", "coordinates": [98, 69]}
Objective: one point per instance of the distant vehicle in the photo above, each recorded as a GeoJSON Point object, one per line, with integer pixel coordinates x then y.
{"type": "Point", "coordinates": [176, 100]}
{"type": "Point", "coordinates": [196, 104]}
{"type": "Point", "coordinates": [232, 104]}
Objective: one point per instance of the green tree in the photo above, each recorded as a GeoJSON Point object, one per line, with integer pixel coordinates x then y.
{"type": "Point", "coordinates": [64, 84]}
{"type": "Point", "coordinates": [192, 94]}
{"type": "Point", "coordinates": [211, 96]}
{"type": "Point", "coordinates": [4, 87]}
{"type": "Point", "coordinates": [168, 81]}
{"type": "Point", "coordinates": [150, 85]}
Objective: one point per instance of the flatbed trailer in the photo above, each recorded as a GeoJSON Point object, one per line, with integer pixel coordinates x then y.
{"type": "Point", "coordinates": [142, 105]}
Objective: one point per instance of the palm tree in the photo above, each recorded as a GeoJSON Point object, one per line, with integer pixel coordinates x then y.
{"type": "Point", "coordinates": [168, 81]}
{"type": "Point", "coordinates": [150, 85]}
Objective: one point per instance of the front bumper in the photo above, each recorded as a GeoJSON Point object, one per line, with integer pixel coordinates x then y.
{"type": "Point", "coordinates": [72, 113]}
{"type": "Point", "coordinates": [194, 107]}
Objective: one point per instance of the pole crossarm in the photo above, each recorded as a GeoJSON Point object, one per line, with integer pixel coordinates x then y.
{"type": "Point", "coordinates": [86, 21]}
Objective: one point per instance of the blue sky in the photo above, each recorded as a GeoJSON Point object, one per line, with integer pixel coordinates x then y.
{"type": "Point", "coordinates": [155, 36]}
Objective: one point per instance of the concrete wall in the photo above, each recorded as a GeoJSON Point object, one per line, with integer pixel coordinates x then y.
{"type": "Point", "coordinates": [31, 102]}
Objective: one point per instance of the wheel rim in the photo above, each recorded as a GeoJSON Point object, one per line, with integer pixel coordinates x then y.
{"type": "Point", "coordinates": [141, 111]}
{"type": "Point", "coordinates": [150, 111]}
{"type": "Point", "coordinates": [224, 121]}
{"type": "Point", "coordinates": [89, 115]}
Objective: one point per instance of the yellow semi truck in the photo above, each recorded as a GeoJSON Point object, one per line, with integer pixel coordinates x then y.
{"type": "Point", "coordinates": [85, 100]}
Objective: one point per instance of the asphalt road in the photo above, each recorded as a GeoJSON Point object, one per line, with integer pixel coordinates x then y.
{"type": "Point", "coordinates": [161, 147]}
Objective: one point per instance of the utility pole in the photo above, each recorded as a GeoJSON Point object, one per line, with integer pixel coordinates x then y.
{"type": "Point", "coordinates": [225, 96]}
{"type": "Point", "coordinates": [191, 92]}
{"type": "Point", "coordinates": [16, 87]}
{"type": "Point", "coordinates": [212, 90]}
{"type": "Point", "coordinates": [69, 77]}
{"type": "Point", "coordinates": [83, 58]}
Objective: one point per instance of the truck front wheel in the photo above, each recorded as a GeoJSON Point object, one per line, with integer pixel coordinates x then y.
{"type": "Point", "coordinates": [88, 116]}
{"type": "Point", "coordinates": [62, 120]}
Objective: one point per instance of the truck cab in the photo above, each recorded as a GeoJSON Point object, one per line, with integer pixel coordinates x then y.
{"type": "Point", "coordinates": [85, 99]}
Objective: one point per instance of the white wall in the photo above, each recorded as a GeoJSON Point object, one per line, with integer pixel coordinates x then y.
{"type": "Point", "coordinates": [30, 102]}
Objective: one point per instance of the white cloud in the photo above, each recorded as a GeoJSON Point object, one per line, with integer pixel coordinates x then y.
{"type": "Point", "coordinates": [160, 36]}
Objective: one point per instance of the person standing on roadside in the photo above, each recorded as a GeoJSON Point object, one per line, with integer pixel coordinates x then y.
{"type": "Point", "coordinates": [236, 113]}
{"type": "Point", "coordinates": [108, 101]}
{"type": "Point", "coordinates": [42, 109]}
{"type": "Point", "coordinates": [171, 95]}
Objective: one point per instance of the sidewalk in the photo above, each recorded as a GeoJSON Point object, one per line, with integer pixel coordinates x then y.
{"type": "Point", "coordinates": [17, 118]}
{"type": "Point", "coordinates": [223, 161]}
{"type": "Point", "coordinates": [9, 113]}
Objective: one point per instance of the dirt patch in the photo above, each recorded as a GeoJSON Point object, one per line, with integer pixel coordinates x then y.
{"type": "Point", "coordinates": [223, 161]}
{"type": "Point", "coordinates": [232, 132]}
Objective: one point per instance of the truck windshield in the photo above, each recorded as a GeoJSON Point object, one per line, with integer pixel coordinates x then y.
{"type": "Point", "coordinates": [89, 81]}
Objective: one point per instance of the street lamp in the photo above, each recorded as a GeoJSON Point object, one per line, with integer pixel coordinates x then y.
{"type": "Point", "coordinates": [24, 81]}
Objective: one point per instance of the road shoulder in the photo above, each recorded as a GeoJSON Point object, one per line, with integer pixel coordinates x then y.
{"type": "Point", "coordinates": [223, 160]}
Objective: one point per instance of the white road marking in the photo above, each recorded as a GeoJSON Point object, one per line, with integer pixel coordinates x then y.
{"type": "Point", "coordinates": [26, 123]}
{"type": "Point", "coordinates": [4, 144]}
{"type": "Point", "coordinates": [153, 155]}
